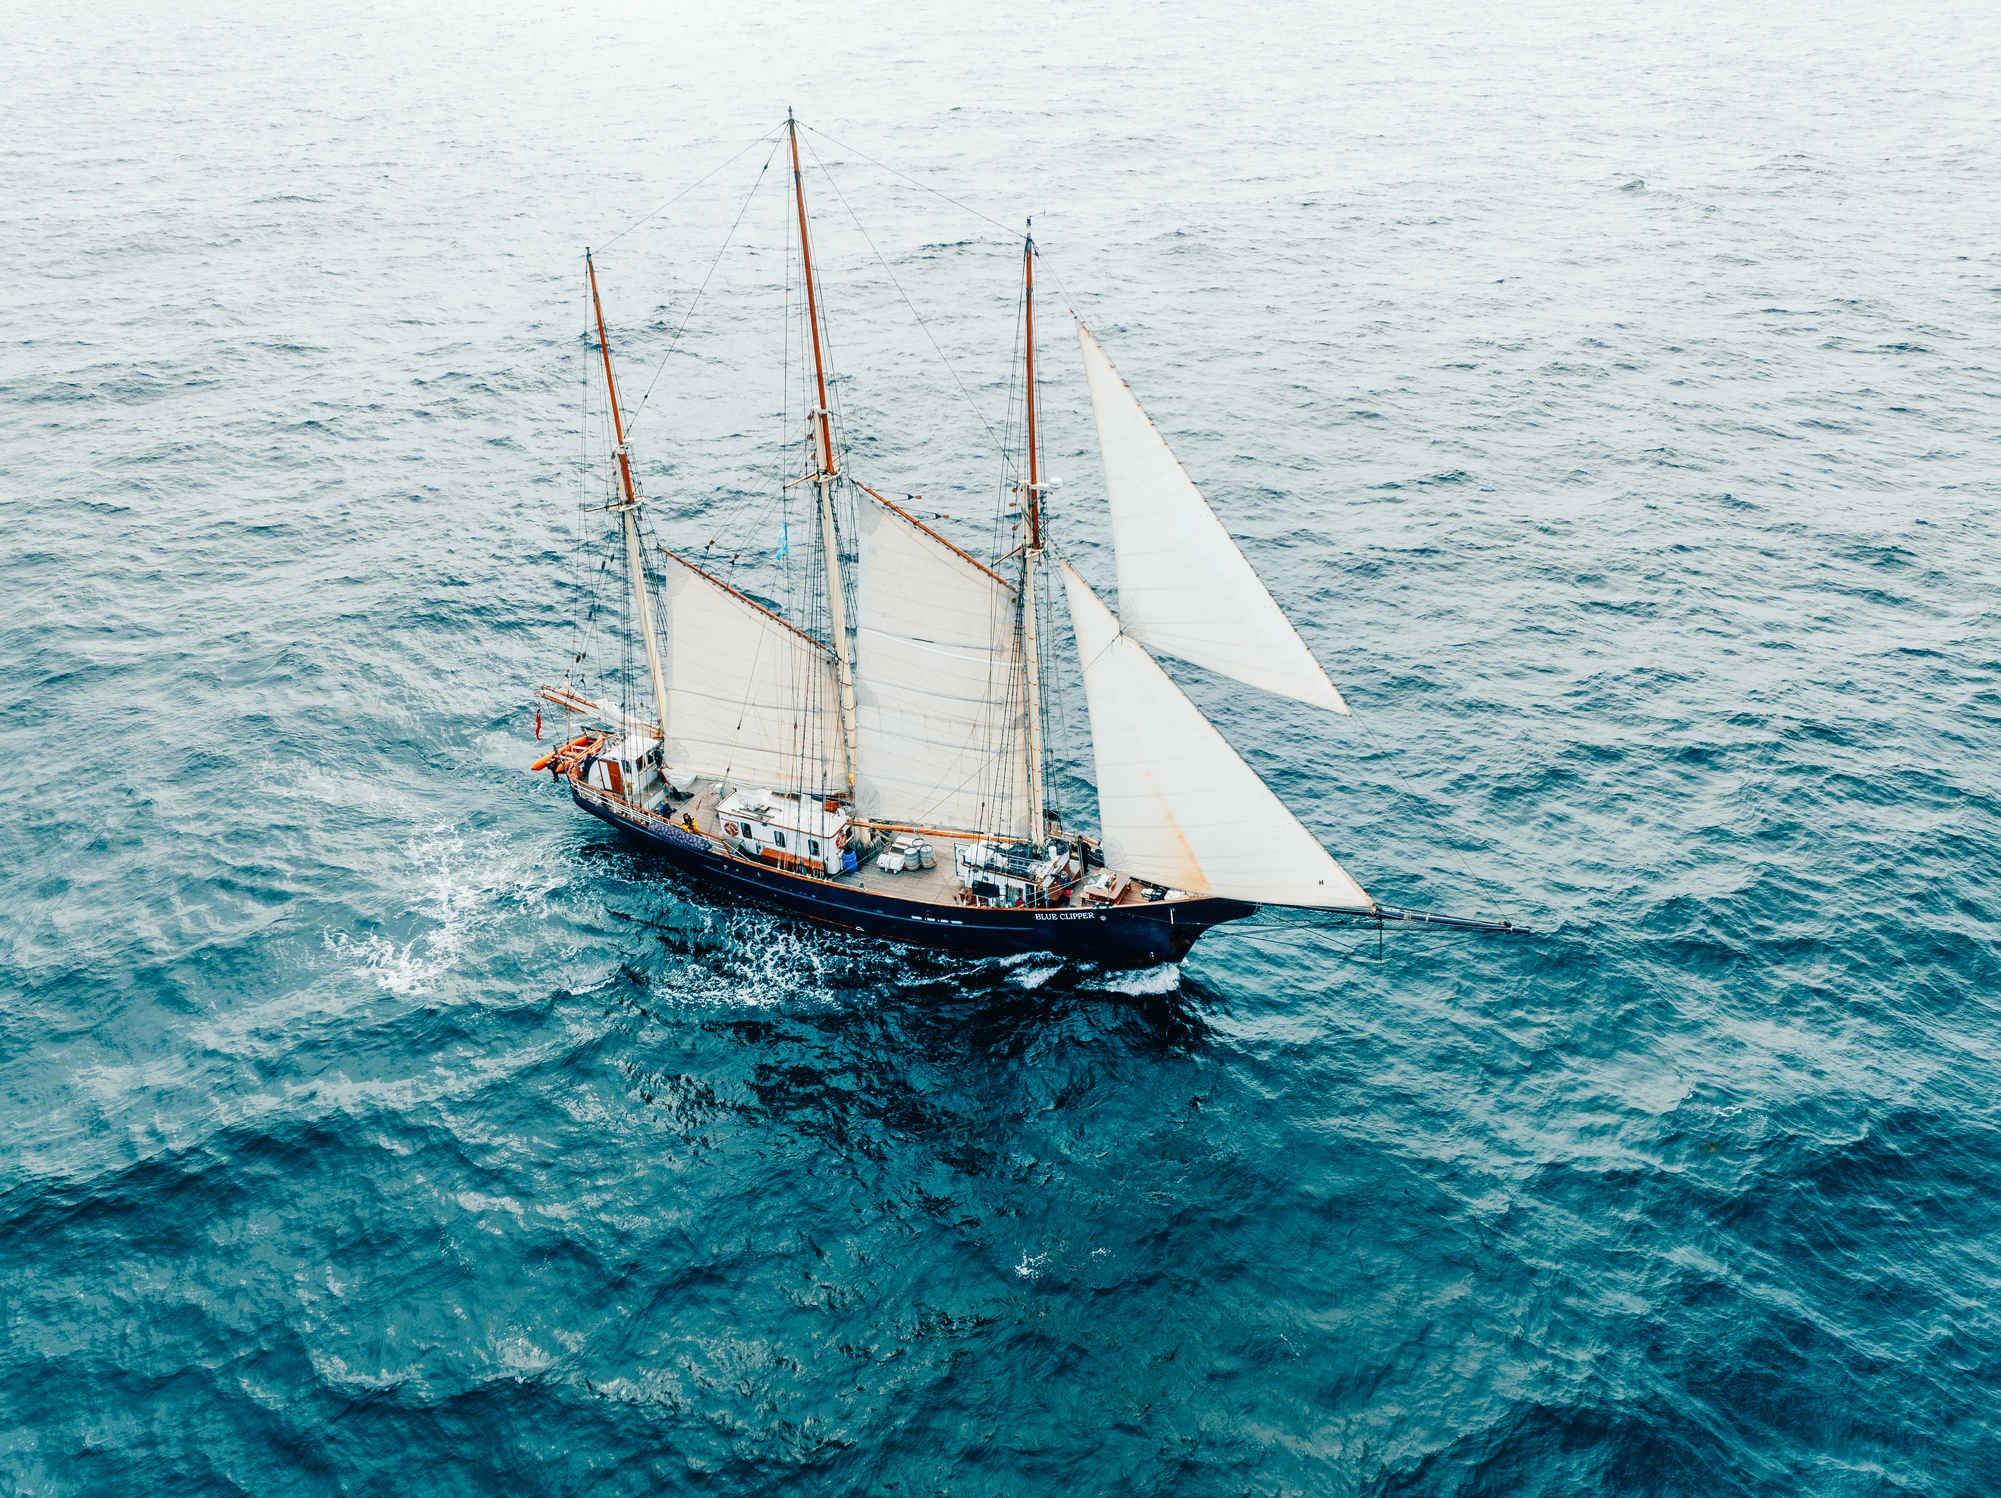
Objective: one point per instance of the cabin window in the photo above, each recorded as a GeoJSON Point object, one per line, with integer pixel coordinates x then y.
{"type": "Point", "coordinates": [778, 837]}
{"type": "Point", "coordinates": [813, 846]}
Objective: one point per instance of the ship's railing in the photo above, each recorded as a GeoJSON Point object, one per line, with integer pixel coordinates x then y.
{"type": "Point", "coordinates": [652, 821]}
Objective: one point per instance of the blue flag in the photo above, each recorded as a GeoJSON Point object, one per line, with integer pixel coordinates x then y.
{"type": "Point", "coordinates": [784, 542]}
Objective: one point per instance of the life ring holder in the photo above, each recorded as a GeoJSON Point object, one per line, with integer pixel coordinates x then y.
{"type": "Point", "coordinates": [729, 829]}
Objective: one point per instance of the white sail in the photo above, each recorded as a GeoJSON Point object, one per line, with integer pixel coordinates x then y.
{"type": "Point", "coordinates": [749, 698]}
{"type": "Point", "coordinates": [938, 743]}
{"type": "Point", "coordinates": [1184, 587]}
{"type": "Point", "coordinates": [1178, 805]}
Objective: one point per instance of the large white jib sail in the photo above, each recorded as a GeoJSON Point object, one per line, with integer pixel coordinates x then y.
{"type": "Point", "coordinates": [1178, 805]}
{"type": "Point", "coordinates": [1184, 587]}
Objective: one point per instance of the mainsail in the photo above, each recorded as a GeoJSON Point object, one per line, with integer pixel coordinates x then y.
{"type": "Point", "coordinates": [1184, 587]}
{"type": "Point", "coordinates": [749, 697]}
{"type": "Point", "coordinates": [940, 740]}
{"type": "Point", "coordinates": [1178, 805]}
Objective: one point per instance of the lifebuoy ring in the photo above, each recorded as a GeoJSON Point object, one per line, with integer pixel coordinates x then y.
{"type": "Point", "coordinates": [730, 828]}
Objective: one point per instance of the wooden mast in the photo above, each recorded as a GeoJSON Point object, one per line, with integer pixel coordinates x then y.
{"type": "Point", "coordinates": [1028, 328]}
{"type": "Point", "coordinates": [628, 512]}
{"type": "Point", "coordinates": [1031, 559]}
{"type": "Point", "coordinates": [823, 441]}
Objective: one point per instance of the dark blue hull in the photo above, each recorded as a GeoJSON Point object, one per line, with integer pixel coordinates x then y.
{"type": "Point", "coordinates": [1117, 936]}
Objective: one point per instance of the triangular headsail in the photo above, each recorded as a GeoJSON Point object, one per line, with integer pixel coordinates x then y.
{"type": "Point", "coordinates": [1184, 587]}
{"type": "Point", "coordinates": [1178, 805]}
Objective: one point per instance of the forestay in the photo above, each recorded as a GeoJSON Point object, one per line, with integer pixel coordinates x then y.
{"type": "Point", "coordinates": [1184, 587]}
{"type": "Point", "coordinates": [1177, 804]}
{"type": "Point", "coordinates": [749, 697]}
{"type": "Point", "coordinates": [938, 719]}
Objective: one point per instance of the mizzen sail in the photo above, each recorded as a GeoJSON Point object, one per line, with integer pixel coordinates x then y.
{"type": "Point", "coordinates": [1184, 587]}
{"type": "Point", "coordinates": [940, 736]}
{"type": "Point", "coordinates": [1177, 804]}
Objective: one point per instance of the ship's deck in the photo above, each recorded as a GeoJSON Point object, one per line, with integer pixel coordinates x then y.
{"type": "Point", "coordinates": [933, 886]}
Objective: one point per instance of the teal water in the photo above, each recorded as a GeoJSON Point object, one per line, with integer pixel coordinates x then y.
{"type": "Point", "coordinates": [1611, 396]}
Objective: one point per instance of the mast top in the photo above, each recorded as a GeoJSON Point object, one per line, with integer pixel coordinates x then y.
{"type": "Point", "coordinates": [1034, 494]}
{"type": "Point", "coordinates": [823, 432]}
{"type": "Point", "coordinates": [611, 388]}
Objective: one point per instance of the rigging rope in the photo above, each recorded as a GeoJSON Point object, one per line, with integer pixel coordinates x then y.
{"type": "Point", "coordinates": [639, 410]}
{"type": "Point", "coordinates": [1011, 235]}
{"type": "Point", "coordinates": [1000, 446]}
{"type": "Point", "coordinates": [1478, 884]}
{"type": "Point", "coordinates": [1062, 289]}
{"type": "Point", "coordinates": [746, 150]}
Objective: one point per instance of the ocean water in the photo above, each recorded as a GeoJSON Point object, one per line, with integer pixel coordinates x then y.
{"type": "Point", "coordinates": [1609, 391]}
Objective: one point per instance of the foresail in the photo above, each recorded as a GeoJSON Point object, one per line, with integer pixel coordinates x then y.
{"type": "Point", "coordinates": [939, 729]}
{"type": "Point", "coordinates": [1184, 587]}
{"type": "Point", "coordinates": [749, 698]}
{"type": "Point", "coordinates": [1177, 804]}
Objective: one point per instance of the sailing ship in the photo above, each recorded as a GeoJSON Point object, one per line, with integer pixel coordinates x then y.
{"type": "Point", "coordinates": [875, 756]}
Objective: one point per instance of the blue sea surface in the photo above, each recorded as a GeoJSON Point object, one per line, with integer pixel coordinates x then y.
{"type": "Point", "coordinates": [1612, 394]}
